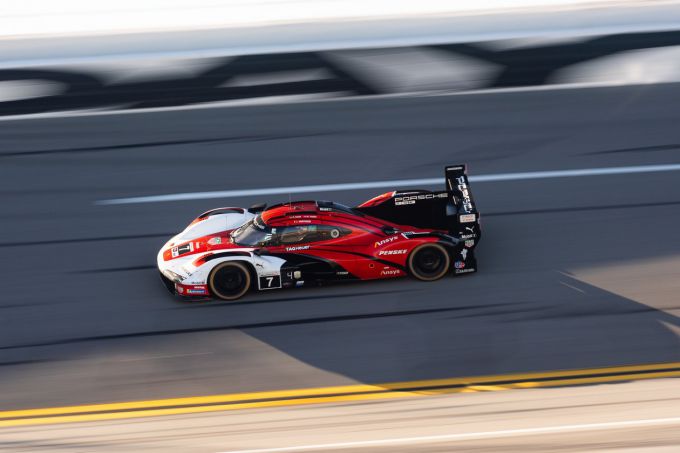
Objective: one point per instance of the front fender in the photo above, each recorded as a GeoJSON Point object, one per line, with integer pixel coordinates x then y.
{"type": "Point", "coordinates": [266, 268]}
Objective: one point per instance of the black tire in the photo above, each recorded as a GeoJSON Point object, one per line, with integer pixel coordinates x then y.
{"type": "Point", "coordinates": [229, 280]}
{"type": "Point", "coordinates": [429, 262]}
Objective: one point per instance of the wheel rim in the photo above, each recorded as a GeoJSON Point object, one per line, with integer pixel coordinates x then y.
{"type": "Point", "coordinates": [430, 263]}
{"type": "Point", "coordinates": [229, 282]}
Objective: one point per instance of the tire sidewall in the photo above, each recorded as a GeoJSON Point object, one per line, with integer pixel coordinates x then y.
{"type": "Point", "coordinates": [234, 264]}
{"type": "Point", "coordinates": [421, 247]}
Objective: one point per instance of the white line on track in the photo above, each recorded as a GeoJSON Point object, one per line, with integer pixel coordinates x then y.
{"type": "Point", "coordinates": [471, 436]}
{"type": "Point", "coordinates": [390, 184]}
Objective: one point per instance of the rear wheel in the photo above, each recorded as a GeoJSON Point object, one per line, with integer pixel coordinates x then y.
{"type": "Point", "coordinates": [429, 262]}
{"type": "Point", "coordinates": [229, 280]}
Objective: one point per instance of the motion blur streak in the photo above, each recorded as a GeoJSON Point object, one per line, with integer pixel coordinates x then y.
{"type": "Point", "coordinates": [396, 184]}
{"type": "Point", "coordinates": [469, 436]}
{"type": "Point", "coordinates": [216, 403]}
{"type": "Point", "coordinates": [41, 17]}
{"type": "Point", "coordinates": [618, 417]}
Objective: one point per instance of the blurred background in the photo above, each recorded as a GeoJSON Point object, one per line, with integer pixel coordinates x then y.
{"type": "Point", "coordinates": [120, 123]}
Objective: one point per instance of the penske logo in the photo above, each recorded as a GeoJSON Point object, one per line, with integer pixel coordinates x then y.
{"type": "Point", "coordinates": [392, 252]}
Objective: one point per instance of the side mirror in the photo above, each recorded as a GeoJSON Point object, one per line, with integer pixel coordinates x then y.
{"type": "Point", "coordinates": [259, 207]}
{"type": "Point", "coordinates": [389, 230]}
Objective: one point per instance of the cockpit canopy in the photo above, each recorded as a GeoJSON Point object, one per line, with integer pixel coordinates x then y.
{"type": "Point", "coordinates": [256, 234]}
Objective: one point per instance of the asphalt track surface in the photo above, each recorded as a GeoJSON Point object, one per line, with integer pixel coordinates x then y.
{"type": "Point", "coordinates": [574, 272]}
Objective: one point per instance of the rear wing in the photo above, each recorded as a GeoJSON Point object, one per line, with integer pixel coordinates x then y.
{"type": "Point", "coordinates": [453, 210]}
{"type": "Point", "coordinates": [460, 195]}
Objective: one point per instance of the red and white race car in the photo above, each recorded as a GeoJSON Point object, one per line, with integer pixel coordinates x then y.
{"type": "Point", "coordinates": [226, 252]}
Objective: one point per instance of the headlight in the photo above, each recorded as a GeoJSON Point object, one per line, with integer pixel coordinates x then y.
{"type": "Point", "coordinates": [175, 277]}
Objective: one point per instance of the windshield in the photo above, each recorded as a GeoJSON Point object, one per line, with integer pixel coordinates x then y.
{"type": "Point", "coordinates": [251, 235]}
{"type": "Point", "coordinates": [256, 234]}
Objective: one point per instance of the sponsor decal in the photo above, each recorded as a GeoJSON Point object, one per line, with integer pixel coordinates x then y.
{"type": "Point", "coordinates": [190, 288]}
{"type": "Point", "coordinates": [299, 247]}
{"type": "Point", "coordinates": [390, 272]}
{"type": "Point", "coordinates": [464, 253]}
{"type": "Point", "coordinates": [297, 274]}
{"type": "Point", "coordinates": [469, 243]}
{"type": "Point", "coordinates": [342, 273]}
{"type": "Point", "coordinates": [459, 265]}
{"type": "Point", "coordinates": [464, 271]}
{"type": "Point", "coordinates": [468, 236]}
{"type": "Point", "coordinates": [392, 252]}
{"type": "Point", "coordinates": [215, 241]}
{"type": "Point", "coordinates": [411, 199]}
{"type": "Point", "coordinates": [465, 192]}
{"type": "Point", "coordinates": [386, 241]}
{"type": "Point", "coordinates": [467, 218]}
{"type": "Point", "coordinates": [182, 249]}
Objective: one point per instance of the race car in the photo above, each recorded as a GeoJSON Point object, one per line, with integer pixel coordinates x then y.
{"type": "Point", "coordinates": [226, 252]}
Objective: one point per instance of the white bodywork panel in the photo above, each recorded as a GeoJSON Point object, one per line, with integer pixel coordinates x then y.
{"type": "Point", "coordinates": [213, 224]}
{"type": "Point", "coordinates": [182, 270]}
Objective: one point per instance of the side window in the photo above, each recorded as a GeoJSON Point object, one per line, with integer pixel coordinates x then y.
{"type": "Point", "coordinates": [301, 234]}
{"type": "Point", "coordinates": [293, 234]}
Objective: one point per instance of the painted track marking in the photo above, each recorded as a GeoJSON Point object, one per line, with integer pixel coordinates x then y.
{"type": "Point", "coordinates": [473, 436]}
{"type": "Point", "coordinates": [521, 176]}
{"type": "Point", "coordinates": [338, 394]}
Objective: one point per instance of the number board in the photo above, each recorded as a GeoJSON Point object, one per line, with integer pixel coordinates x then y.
{"type": "Point", "coordinates": [270, 282]}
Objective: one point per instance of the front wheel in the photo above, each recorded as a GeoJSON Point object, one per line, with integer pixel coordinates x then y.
{"type": "Point", "coordinates": [229, 280]}
{"type": "Point", "coordinates": [429, 262]}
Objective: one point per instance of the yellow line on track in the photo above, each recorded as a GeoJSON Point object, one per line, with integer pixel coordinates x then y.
{"type": "Point", "coordinates": [360, 392]}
